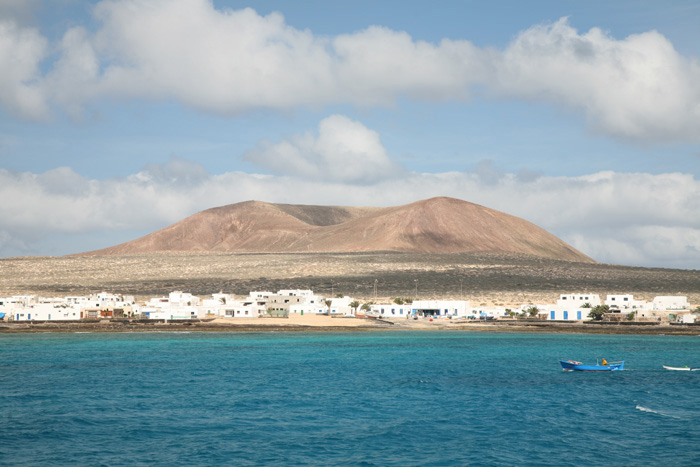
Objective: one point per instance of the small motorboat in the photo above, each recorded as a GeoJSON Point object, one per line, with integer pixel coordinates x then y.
{"type": "Point", "coordinates": [571, 365]}
{"type": "Point", "coordinates": [677, 368]}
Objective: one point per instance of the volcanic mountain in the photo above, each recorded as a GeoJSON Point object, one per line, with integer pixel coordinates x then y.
{"type": "Point", "coordinates": [436, 225]}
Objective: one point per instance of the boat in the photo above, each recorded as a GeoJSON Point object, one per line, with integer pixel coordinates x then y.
{"type": "Point", "coordinates": [677, 368]}
{"type": "Point", "coordinates": [571, 365]}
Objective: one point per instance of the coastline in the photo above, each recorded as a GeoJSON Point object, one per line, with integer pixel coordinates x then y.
{"type": "Point", "coordinates": [331, 324]}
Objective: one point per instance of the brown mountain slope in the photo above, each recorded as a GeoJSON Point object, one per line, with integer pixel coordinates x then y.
{"type": "Point", "coordinates": [436, 225]}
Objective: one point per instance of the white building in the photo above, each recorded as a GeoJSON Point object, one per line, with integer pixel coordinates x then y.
{"type": "Point", "coordinates": [443, 308]}
{"type": "Point", "coordinates": [688, 318]}
{"type": "Point", "coordinates": [565, 309]}
{"type": "Point", "coordinates": [625, 303]}
{"type": "Point", "coordinates": [177, 305]}
{"type": "Point", "coordinates": [31, 308]}
{"type": "Point", "coordinates": [488, 312]}
{"type": "Point", "coordinates": [671, 303]}
{"type": "Point", "coordinates": [217, 304]}
{"type": "Point", "coordinates": [287, 302]}
{"type": "Point", "coordinates": [341, 306]}
{"type": "Point", "coordinates": [391, 311]}
{"type": "Point", "coordinates": [425, 308]}
{"type": "Point", "coordinates": [565, 313]}
{"type": "Point", "coordinates": [17, 301]}
{"type": "Point", "coordinates": [48, 312]}
{"type": "Point", "coordinates": [576, 300]}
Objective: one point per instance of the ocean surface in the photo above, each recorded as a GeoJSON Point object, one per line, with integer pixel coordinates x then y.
{"type": "Point", "coordinates": [356, 398]}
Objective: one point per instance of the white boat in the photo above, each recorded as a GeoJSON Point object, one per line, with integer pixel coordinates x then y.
{"type": "Point", "coordinates": [675, 368]}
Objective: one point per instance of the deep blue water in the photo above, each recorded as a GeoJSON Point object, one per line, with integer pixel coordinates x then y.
{"type": "Point", "coordinates": [384, 399]}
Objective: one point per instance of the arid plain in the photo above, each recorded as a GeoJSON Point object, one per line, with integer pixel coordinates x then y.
{"type": "Point", "coordinates": [482, 278]}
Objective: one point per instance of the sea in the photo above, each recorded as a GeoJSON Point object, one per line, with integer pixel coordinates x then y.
{"type": "Point", "coordinates": [443, 398]}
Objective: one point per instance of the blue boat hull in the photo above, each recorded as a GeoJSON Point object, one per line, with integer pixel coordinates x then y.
{"type": "Point", "coordinates": [568, 365]}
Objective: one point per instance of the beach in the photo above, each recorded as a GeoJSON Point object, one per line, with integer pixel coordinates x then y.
{"type": "Point", "coordinates": [322, 323]}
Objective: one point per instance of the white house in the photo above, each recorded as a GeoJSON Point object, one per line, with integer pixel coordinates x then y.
{"type": "Point", "coordinates": [31, 308]}
{"type": "Point", "coordinates": [391, 311]}
{"type": "Point", "coordinates": [671, 303]}
{"type": "Point", "coordinates": [688, 318]}
{"type": "Point", "coordinates": [341, 306]}
{"type": "Point", "coordinates": [48, 312]}
{"type": "Point", "coordinates": [488, 312]}
{"type": "Point", "coordinates": [623, 302]}
{"type": "Point", "coordinates": [565, 312]}
{"type": "Point", "coordinates": [295, 301]}
{"type": "Point", "coordinates": [425, 308]}
{"type": "Point", "coordinates": [443, 308]}
{"type": "Point", "coordinates": [178, 305]}
{"type": "Point", "coordinates": [576, 300]}
{"type": "Point", "coordinates": [216, 305]}
{"type": "Point", "coordinates": [183, 299]}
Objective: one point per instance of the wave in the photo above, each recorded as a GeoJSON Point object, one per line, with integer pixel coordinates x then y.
{"type": "Point", "coordinates": [646, 409]}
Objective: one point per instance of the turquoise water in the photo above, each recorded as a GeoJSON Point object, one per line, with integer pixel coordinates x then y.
{"type": "Point", "coordinates": [369, 399]}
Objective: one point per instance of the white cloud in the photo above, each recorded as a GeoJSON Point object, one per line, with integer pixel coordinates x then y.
{"type": "Point", "coordinates": [638, 87]}
{"type": "Point", "coordinates": [21, 50]}
{"type": "Point", "coordinates": [221, 61]}
{"type": "Point", "coordinates": [74, 78]}
{"type": "Point", "coordinates": [230, 62]}
{"type": "Point", "coordinates": [377, 65]}
{"type": "Point", "coordinates": [633, 219]}
{"type": "Point", "coordinates": [345, 151]}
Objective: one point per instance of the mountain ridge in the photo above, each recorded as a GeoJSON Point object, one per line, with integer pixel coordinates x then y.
{"type": "Point", "coordinates": [435, 225]}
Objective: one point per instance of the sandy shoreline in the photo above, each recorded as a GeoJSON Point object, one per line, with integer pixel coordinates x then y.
{"type": "Point", "coordinates": [313, 323]}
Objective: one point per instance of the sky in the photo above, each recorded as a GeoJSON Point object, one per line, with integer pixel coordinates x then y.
{"type": "Point", "coordinates": [121, 117]}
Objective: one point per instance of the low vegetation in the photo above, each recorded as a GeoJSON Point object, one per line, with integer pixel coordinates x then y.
{"type": "Point", "coordinates": [481, 278]}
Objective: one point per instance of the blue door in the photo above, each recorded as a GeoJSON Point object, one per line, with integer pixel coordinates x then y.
{"type": "Point", "coordinates": [552, 314]}
{"type": "Point", "coordinates": [566, 315]}
{"type": "Point", "coordinates": [578, 315]}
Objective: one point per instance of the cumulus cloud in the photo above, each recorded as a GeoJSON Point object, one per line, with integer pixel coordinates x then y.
{"type": "Point", "coordinates": [377, 64]}
{"type": "Point", "coordinates": [234, 61]}
{"type": "Point", "coordinates": [21, 51]}
{"type": "Point", "coordinates": [653, 220]}
{"type": "Point", "coordinates": [344, 151]}
{"type": "Point", "coordinates": [638, 87]}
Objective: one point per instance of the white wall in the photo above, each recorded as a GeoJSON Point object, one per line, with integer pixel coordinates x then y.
{"type": "Point", "coordinates": [45, 312]}
{"type": "Point", "coordinates": [675, 302]}
{"type": "Point", "coordinates": [578, 299]}
{"type": "Point", "coordinates": [564, 313]}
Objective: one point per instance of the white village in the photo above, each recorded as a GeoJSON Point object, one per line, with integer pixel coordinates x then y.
{"type": "Point", "coordinates": [178, 306]}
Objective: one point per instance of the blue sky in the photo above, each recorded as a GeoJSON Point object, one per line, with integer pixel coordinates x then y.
{"type": "Point", "coordinates": [120, 117]}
